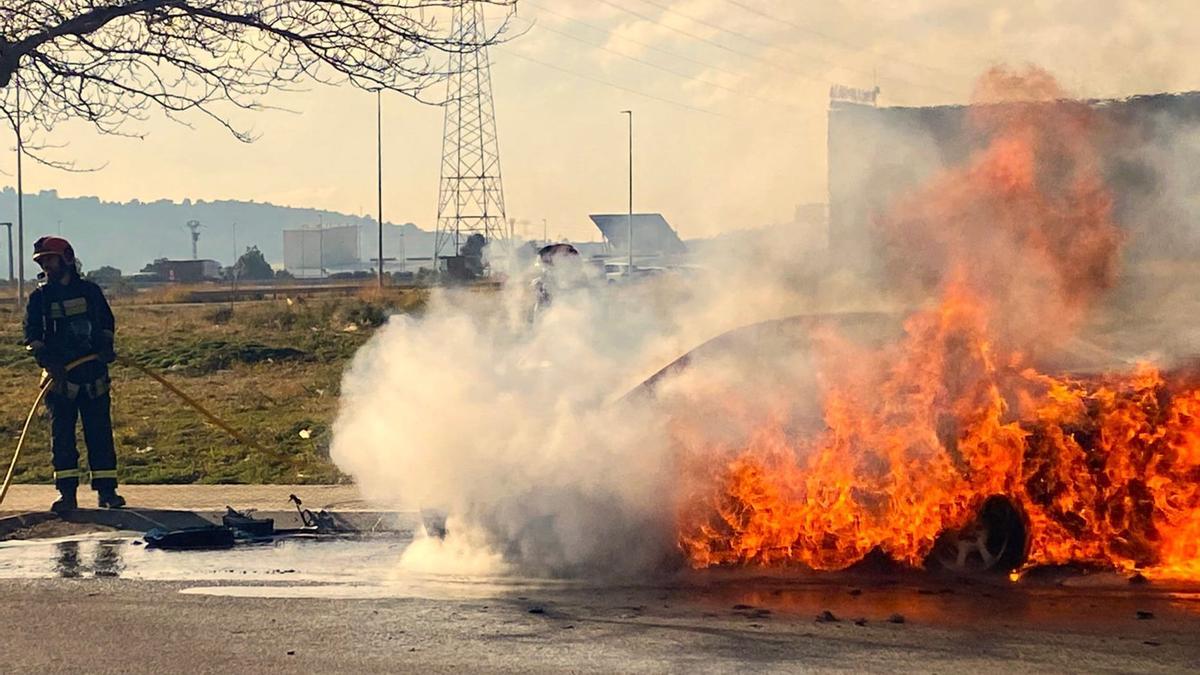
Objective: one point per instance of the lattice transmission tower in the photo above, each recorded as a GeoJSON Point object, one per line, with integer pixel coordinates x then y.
{"type": "Point", "coordinates": [471, 194]}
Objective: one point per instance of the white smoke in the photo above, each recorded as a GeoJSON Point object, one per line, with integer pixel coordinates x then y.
{"type": "Point", "coordinates": [517, 426]}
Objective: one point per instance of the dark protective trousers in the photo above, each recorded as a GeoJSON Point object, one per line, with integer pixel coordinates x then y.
{"type": "Point", "coordinates": [97, 434]}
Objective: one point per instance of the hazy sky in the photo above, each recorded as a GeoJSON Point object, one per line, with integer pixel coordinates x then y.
{"type": "Point", "coordinates": [729, 99]}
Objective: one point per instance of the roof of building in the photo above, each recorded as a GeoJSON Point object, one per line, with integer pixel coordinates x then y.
{"type": "Point", "coordinates": [651, 233]}
{"type": "Point", "coordinates": [1157, 100]}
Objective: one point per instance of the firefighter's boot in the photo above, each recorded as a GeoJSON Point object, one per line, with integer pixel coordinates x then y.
{"type": "Point", "coordinates": [66, 501]}
{"type": "Point", "coordinates": [109, 499]}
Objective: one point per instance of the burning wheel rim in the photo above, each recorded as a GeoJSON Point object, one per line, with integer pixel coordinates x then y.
{"type": "Point", "coordinates": [995, 543]}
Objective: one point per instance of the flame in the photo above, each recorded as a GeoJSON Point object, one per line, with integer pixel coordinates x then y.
{"type": "Point", "coordinates": [1014, 246]}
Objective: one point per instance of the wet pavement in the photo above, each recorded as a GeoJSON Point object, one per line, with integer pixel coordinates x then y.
{"type": "Point", "coordinates": [302, 558]}
{"type": "Point", "coordinates": [344, 604]}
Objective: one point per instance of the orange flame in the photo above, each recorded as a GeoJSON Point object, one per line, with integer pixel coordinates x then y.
{"type": "Point", "coordinates": [1014, 245]}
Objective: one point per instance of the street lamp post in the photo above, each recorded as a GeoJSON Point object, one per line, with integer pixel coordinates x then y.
{"type": "Point", "coordinates": [10, 251]}
{"type": "Point", "coordinates": [233, 296]}
{"type": "Point", "coordinates": [20, 201]}
{"type": "Point", "coordinates": [379, 158]}
{"type": "Point", "coordinates": [629, 266]}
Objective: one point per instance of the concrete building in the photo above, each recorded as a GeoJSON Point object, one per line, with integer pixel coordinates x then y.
{"type": "Point", "coordinates": [189, 271]}
{"type": "Point", "coordinates": [1150, 150]}
{"type": "Point", "coordinates": [320, 251]}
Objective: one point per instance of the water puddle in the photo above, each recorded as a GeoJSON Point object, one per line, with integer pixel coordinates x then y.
{"type": "Point", "coordinates": [354, 567]}
{"type": "Point", "coordinates": [429, 587]}
{"type": "Point", "coordinates": [122, 555]}
{"type": "Point", "coordinates": [358, 567]}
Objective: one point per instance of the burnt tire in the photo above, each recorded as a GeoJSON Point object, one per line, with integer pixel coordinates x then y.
{"type": "Point", "coordinates": [995, 543]}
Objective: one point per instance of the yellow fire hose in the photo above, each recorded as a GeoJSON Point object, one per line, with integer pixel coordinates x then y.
{"type": "Point", "coordinates": [237, 435]}
{"type": "Point", "coordinates": [241, 438]}
{"type": "Point", "coordinates": [12, 466]}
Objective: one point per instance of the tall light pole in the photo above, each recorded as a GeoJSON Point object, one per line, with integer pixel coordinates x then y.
{"type": "Point", "coordinates": [233, 295]}
{"type": "Point", "coordinates": [629, 267]}
{"type": "Point", "coordinates": [20, 202]}
{"type": "Point", "coordinates": [10, 251]}
{"type": "Point", "coordinates": [379, 157]}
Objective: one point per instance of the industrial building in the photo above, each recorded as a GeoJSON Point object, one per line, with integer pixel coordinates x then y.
{"type": "Point", "coordinates": [189, 271]}
{"type": "Point", "coordinates": [653, 236]}
{"type": "Point", "coordinates": [320, 251]}
{"type": "Point", "coordinates": [1150, 158]}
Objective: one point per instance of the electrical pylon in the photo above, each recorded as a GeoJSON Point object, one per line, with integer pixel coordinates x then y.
{"type": "Point", "coordinates": [471, 194]}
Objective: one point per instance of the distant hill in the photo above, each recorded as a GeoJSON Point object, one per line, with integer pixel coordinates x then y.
{"type": "Point", "coordinates": [128, 235]}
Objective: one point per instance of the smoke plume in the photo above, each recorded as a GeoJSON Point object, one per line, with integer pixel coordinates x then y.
{"type": "Point", "coordinates": [808, 441]}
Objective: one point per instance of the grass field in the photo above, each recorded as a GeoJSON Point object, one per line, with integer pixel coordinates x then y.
{"type": "Point", "coordinates": [271, 369]}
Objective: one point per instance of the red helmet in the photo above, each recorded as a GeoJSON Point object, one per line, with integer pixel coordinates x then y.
{"type": "Point", "coordinates": [53, 246]}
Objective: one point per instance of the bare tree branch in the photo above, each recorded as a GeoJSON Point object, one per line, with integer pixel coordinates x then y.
{"type": "Point", "coordinates": [112, 62]}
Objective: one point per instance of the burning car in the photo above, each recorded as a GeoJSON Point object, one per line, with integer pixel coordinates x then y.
{"type": "Point", "coordinates": [938, 452]}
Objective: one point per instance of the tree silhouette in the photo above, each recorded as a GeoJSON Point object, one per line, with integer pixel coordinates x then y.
{"type": "Point", "coordinates": [105, 274]}
{"type": "Point", "coordinates": [110, 62]}
{"type": "Point", "coordinates": [252, 265]}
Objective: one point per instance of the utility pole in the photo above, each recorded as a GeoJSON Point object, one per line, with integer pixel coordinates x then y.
{"type": "Point", "coordinates": [379, 157]}
{"type": "Point", "coordinates": [629, 268]}
{"type": "Point", "coordinates": [545, 232]}
{"type": "Point", "coordinates": [233, 296]}
{"type": "Point", "coordinates": [403, 252]}
{"type": "Point", "coordinates": [20, 203]}
{"type": "Point", "coordinates": [10, 251]}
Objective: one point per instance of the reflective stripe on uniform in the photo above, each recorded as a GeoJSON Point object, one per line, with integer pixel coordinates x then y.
{"type": "Point", "coordinates": [68, 473]}
{"type": "Point", "coordinates": [106, 473]}
{"type": "Point", "coordinates": [75, 306]}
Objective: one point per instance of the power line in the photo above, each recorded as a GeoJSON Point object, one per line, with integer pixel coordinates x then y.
{"type": "Point", "coordinates": [645, 45]}
{"type": "Point", "coordinates": [615, 85]}
{"type": "Point", "coordinates": [714, 43]}
{"type": "Point", "coordinates": [676, 73]}
{"type": "Point", "coordinates": [743, 36]}
{"type": "Point", "coordinates": [837, 40]}
{"type": "Point", "coordinates": [757, 41]}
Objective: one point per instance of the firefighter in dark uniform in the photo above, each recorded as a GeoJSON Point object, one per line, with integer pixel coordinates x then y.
{"type": "Point", "coordinates": [69, 329]}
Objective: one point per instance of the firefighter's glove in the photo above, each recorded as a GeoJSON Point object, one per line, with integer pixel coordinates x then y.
{"type": "Point", "coordinates": [41, 354]}
{"type": "Point", "coordinates": [105, 348]}
{"type": "Point", "coordinates": [57, 373]}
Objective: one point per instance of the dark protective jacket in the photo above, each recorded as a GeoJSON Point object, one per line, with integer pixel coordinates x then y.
{"type": "Point", "coordinates": [66, 322]}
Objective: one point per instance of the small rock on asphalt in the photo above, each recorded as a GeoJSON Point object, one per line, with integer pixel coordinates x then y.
{"type": "Point", "coordinates": [826, 617]}
{"type": "Point", "coordinates": [1144, 615]}
{"type": "Point", "coordinates": [896, 618]}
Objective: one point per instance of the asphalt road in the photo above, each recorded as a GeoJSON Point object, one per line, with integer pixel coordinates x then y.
{"type": "Point", "coordinates": [116, 625]}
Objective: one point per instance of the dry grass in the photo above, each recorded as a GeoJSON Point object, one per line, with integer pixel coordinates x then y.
{"type": "Point", "coordinates": [271, 369]}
